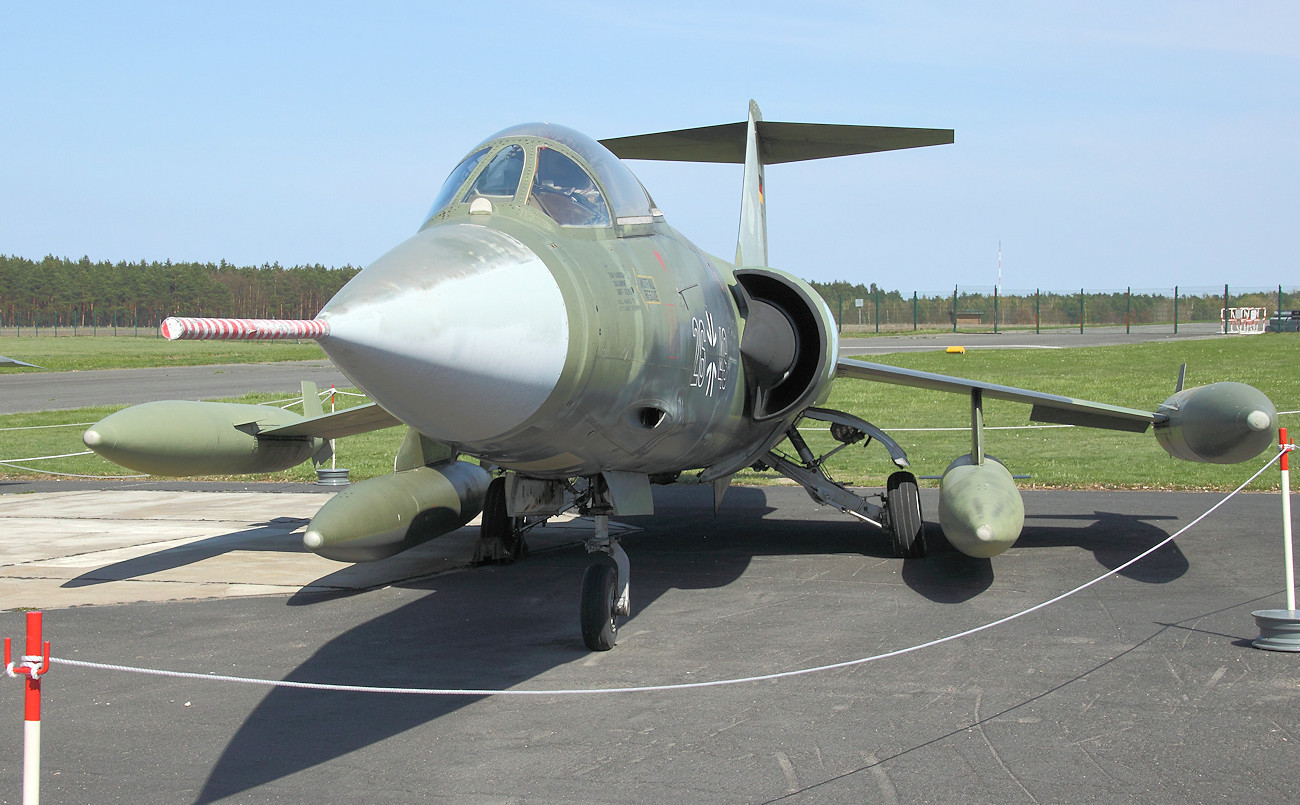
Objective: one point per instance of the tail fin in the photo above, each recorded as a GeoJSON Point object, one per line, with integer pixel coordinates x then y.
{"type": "Point", "coordinates": [757, 143]}
{"type": "Point", "coordinates": [751, 243]}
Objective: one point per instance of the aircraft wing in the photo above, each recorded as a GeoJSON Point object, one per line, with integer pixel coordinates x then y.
{"type": "Point", "coordinates": [1051, 408]}
{"type": "Point", "coordinates": [15, 362]}
{"type": "Point", "coordinates": [348, 422]}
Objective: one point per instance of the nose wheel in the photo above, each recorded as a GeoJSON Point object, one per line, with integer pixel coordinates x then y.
{"type": "Point", "coordinates": [605, 596]}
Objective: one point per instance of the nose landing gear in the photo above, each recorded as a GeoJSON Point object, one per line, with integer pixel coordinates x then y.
{"type": "Point", "coordinates": [605, 595]}
{"type": "Point", "coordinates": [605, 589]}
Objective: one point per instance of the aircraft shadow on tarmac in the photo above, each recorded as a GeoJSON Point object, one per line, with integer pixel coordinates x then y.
{"type": "Point", "coordinates": [498, 627]}
{"type": "Point", "coordinates": [274, 535]}
{"type": "Point", "coordinates": [947, 576]}
{"type": "Point", "coordinates": [1114, 539]}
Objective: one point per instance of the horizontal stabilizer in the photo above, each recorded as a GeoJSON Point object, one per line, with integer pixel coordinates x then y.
{"type": "Point", "coordinates": [348, 422]}
{"type": "Point", "coordinates": [778, 142]}
{"type": "Point", "coordinates": [1046, 407]}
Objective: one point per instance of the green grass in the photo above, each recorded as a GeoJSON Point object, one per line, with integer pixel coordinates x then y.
{"type": "Point", "coordinates": [1138, 376]}
{"type": "Point", "coordinates": [65, 354]}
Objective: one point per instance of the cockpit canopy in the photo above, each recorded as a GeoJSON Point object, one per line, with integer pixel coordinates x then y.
{"type": "Point", "coordinates": [564, 173]}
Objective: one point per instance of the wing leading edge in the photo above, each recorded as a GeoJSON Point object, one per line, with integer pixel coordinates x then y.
{"type": "Point", "coordinates": [1050, 408]}
{"type": "Point", "coordinates": [348, 422]}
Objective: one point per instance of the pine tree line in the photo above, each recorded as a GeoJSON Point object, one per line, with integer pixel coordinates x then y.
{"type": "Point", "coordinates": [56, 291]}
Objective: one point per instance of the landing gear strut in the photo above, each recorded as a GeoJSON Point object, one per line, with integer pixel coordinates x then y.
{"type": "Point", "coordinates": [605, 596]}
{"type": "Point", "coordinates": [898, 513]}
{"type": "Point", "coordinates": [501, 537]}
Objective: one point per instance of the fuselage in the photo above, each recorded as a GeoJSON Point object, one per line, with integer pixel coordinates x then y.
{"type": "Point", "coordinates": [550, 347]}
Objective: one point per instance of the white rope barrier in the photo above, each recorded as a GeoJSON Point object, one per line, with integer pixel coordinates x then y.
{"type": "Point", "coordinates": [43, 458]}
{"type": "Point", "coordinates": [965, 429]}
{"type": "Point", "coordinates": [281, 683]}
{"type": "Point", "coordinates": [72, 474]}
{"type": "Point", "coordinates": [13, 463]}
{"type": "Point", "coordinates": [42, 427]}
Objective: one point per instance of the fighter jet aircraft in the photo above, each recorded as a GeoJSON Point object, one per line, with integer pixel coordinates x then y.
{"type": "Point", "coordinates": [633, 359]}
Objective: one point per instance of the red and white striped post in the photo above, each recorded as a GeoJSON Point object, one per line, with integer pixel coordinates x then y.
{"type": "Point", "coordinates": [33, 666]}
{"type": "Point", "coordinates": [1287, 549]}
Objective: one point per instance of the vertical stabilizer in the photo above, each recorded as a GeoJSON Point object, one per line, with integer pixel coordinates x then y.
{"type": "Point", "coordinates": [751, 245]}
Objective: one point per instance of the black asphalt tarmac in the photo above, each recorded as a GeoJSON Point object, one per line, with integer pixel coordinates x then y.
{"type": "Point", "coordinates": [1142, 688]}
{"type": "Point", "coordinates": [48, 391]}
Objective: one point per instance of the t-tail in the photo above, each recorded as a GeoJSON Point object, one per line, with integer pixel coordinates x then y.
{"type": "Point", "coordinates": [757, 143]}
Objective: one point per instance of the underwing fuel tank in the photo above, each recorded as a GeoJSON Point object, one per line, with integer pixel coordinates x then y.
{"type": "Point", "coordinates": [980, 509]}
{"type": "Point", "coordinates": [1222, 423]}
{"type": "Point", "coordinates": [379, 517]}
{"type": "Point", "coordinates": [179, 438]}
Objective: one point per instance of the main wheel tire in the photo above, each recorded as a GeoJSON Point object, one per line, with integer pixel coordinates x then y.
{"type": "Point", "coordinates": [599, 623]}
{"type": "Point", "coordinates": [906, 528]}
{"type": "Point", "coordinates": [498, 525]}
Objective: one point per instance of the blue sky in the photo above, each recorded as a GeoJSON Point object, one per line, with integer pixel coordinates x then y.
{"type": "Point", "coordinates": [1105, 145]}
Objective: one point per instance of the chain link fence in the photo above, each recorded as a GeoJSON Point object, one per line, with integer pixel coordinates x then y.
{"type": "Point", "coordinates": [989, 309]}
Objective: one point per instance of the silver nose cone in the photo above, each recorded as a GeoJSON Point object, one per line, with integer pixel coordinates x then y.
{"type": "Point", "coordinates": [460, 331]}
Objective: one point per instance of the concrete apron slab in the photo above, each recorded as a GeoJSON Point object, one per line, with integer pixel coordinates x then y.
{"type": "Point", "coordinates": [65, 549]}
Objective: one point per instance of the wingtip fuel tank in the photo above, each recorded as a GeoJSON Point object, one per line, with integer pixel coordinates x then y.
{"type": "Point", "coordinates": [1222, 423]}
{"type": "Point", "coordinates": [180, 438]}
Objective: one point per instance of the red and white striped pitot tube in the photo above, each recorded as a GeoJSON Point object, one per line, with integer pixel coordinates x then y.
{"type": "Point", "coordinates": [189, 328]}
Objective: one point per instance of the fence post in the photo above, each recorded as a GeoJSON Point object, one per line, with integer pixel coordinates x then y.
{"type": "Point", "coordinates": [1080, 311]}
{"type": "Point", "coordinates": [1279, 290]}
{"type": "Point", "coordinates": [995, 310]}
{"type": "Point", "coordinates": [1128, 310]}
{"type": "Point", "coordinates": [839, 323]}
{"type": "Point", "coordinates": [1225, 308]}
{"type": "Point", "coordinates": [877, 311]}
{"type": "Point", "coordinates": [1175, 310]}
{"type": "Point", "coordinates": [1038, 310]}
{"type": "Point", "coordinates": [954, 308]}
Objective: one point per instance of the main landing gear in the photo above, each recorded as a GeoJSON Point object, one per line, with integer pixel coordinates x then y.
{"type": "Point", "coordinates": [899, 512]}
{"type": "Point", "coordinates": [501, 537]}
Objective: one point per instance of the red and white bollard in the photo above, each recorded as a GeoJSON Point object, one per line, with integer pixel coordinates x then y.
{"type": "Point", "coordinates": [1279, 629]}
{"type": "Point", "coordinates": [32, 665]}
{"type": "Point", "coordinates": [1286, 522]}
